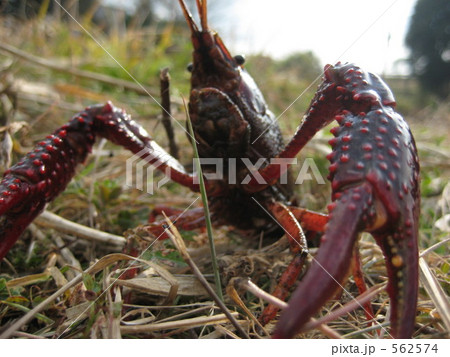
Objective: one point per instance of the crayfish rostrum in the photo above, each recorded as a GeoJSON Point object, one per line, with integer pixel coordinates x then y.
{"type": "Point", "coordinates": [374, 173]}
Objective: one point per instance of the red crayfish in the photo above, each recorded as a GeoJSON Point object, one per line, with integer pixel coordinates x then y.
{"type": "Point", "coordinates": [373, 172]}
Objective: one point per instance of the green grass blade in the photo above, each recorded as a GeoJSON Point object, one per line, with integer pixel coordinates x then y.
{"type": "Point", "coordinates": [25, 309]}
{"type": "Point", "coordinates": [205, 207]}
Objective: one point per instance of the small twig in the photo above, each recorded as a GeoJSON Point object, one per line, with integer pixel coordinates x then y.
{"type": "Point", "coordinates": [51, 220]}
{"type": "Point", "coordinates": [66, 253]}
{"type": "Point", "coordinates": [27, 335]}
{"type": "Point", "coordinates": [371, 328]}
{"type": "Point", "coordinates": [164, 80]}
{"type": "Point", "coordinates": [46, 102]}
{"type": "Point", "coordinates": [176, 239]}
{"type": "Point", "coordinates": [433, 247]}
{"type": "Point", "coordinates": [435, 292]}
{"type": "Point", "coordinates": [92, 211]}
{"type": "Point", "coordinates": [248, 285]}
{"type": "Point", "coordinates": [186, 323]}
{"type": "Point", "coordinates": [10, 266]}
{"type": "Point", "coordinates": [233, 294]}
{"type": "Point", "coordinates": [434, 150]}
{"type": "Point", "coordinates": [76, 72]}
{"type": "Point", "coordinates": [255, 290]}
{"type": "Point", "coordinates": [226, 332]}
{"type": "Point", "coordinates": [350, 306]}
{"type": "Point", "coordinates": [188, 313]}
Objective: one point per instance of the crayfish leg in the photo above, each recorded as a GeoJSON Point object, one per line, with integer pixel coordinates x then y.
{"type": "Point", "coordinates": [310, 220]}
{"type": "Point", "coordinates": [298, 247]}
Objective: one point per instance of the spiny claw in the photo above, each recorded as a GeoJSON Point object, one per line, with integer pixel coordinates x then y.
{"type": "Point", "coordinates": [44, 172]}
{"type": "Point", "coordinates": [374, 173]}
{"type": "Point", "coordinates": [13, 213]}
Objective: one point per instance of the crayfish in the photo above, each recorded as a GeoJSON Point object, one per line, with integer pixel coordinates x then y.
{"type": "Point", "coordinates": [373, 171]}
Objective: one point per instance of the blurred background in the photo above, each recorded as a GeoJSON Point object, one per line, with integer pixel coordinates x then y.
{"type": "Point", "coordinates": [405, 41]}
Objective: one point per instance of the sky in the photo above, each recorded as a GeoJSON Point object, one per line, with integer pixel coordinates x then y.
{"type": "Point", "coordinates": [368, 33]}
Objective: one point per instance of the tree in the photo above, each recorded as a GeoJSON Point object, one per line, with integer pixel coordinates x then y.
{"type": "Point", "coordinates": [428, 38]}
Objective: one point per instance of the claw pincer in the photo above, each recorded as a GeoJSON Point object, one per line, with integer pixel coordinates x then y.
{"type": "Point", "coordinates": [374, 175]}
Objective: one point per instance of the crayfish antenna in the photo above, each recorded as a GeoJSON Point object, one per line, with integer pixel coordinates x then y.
{"type": "Point", "coordinates": [203, 13]}
{"type": "Point", "coordinates": [188, 16]}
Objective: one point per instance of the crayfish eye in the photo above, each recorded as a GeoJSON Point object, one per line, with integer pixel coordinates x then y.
{"type": "Point", "coordinates": [190, 67]}
{"type": "Point", "coordinates": [240, 59]}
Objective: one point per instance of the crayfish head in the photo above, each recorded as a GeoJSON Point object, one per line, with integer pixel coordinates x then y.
{"type": "Point", "coordinates": [213, 65]}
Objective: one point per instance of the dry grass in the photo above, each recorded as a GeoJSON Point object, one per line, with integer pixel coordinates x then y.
{"type": "Point", "coordinates": [57, 283]}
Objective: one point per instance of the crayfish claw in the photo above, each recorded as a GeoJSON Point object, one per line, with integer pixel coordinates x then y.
{"type": "Point", "coordinates": [401, 255]}
{"type": "Point", "coordinates": [346, 220]}
{"type": "Point", "coordinates": [374, 173]}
